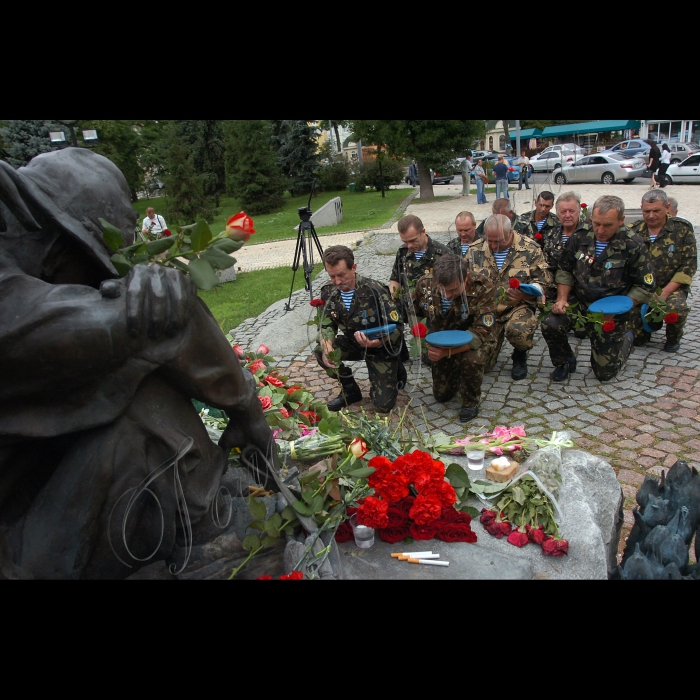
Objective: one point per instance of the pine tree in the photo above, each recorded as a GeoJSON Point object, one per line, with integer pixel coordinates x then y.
{"type": "Point", "coordinates": [297, 153]}
{"type": "Point", "coordinates": [185, 198]}
{"type": "Point", "coordinates": [26, 138]}
{"type": "Point", "coordinates": [206, 141]}
{"type": "Point", "coordinates": [252, 175]}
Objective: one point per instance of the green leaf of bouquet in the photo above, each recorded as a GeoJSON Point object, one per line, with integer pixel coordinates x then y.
{"type": "Point", "coordinates": [202, 274]}
{"type": "Point", "coordinates": [271, 529]}
{"type": "Point", "coordinates": [218, 259]}
{"type": "Point", "coordinates": [288, 513]}
{"type": "Point", "coordinates": [121, 264]}
{"type": "Point", "coordinates": [257, 508]}
{"type": "Point", "coordinates": [457, 476]}
{"type": "Point", "coordinates": [226, 245]}
{"type": "Point", "coordinates": [360, 472]}
{"type": "Point", "coordinates": [470, 510]}
{"type": "Point", "coordinates": [113, 237]}
{"type": "Point", "coordinates": [159, 246]}
{"type": "Point", "coordinates": [250, 542]}
{"type": "Point", "coordinates": [257, 525]}
{"type": "Point", "coordinates": [317, 504]}
{"type": "Point", "coordinates": [268, 541]}
{"type": "Point", "coordinates": [302, 508]}
{"type": "Point", "coordinates": [200, 236]}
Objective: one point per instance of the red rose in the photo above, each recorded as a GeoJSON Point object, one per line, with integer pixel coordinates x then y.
{"type": "Point", "coordinates": [167, 233]}
{"type": "Point", "coordinates": [443, 491]}
{"type": "Point", "coordinates": [584, 205]}
{"type": "Point", "coordinates": [426, 509]}
{"type": "Point", "coordinates": [344, 532]}
{"type": "Point", "coordinates": [513, 283]}
{"type": "Point", "coordinates": [456, 532]}
{"type": "Point", "coordinates": [294, 576]}
{"type": "Point", "coordinates": [419, 331]}
{"type": "Point", "coordinates": [392, 535]}
{"type": "Point", "coordinates": [317, 302]}
{"type": "Point", "coordinates": [536, 535]}
{"type": "Point", "coordinates": [310, 416]}
{"type": "Point", "coordinates": [397, 518]}
{"type": "Point", "coordinates": [256, 366]}
{"type": "Point", "coordinates": [671, 318]}
{"type": "Point", "coordinates": [264, 577]}
{"type": "Point", "coordinates": [608, 326]}
{"type": "Point", "coordinates": [518, 538]}
{"type": "Point", "coordinates": [292, 389]}
{"type": "Point", "coordinates": [263, 349]}
{"type": "Point", "coordinates": [373, 513]}
{"type": "Point", "coordinates": [538, 236]}
{"type": "Point", "coordinates": [423, 532]}
{"type": "Point", "coordinates": [405, 505]}
{"type": "Point", "coordinates": [238, 350]}
{"type": "Point", "coordinates": [270, 379]}
{"type": "Point", "coordinates": [450, 515]}
{"type": "Point", "coordinates": [266, 402]}
{"type": "Point", "coordinates": [240, 227]}
{"type": "Point", "coordinates": [498, 528]}
{"type": "Point", "coordinates": [285, 413]}
{"type": "Point", "coordinates": [555, 548]}
{"type": "Point", "coordinates": [487, 516]}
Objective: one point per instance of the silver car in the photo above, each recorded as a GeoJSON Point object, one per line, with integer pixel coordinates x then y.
{"type": "Point", "coordinates": [688, 171]}
{"type": "Point", "coordinates": [605, 168]}
{"type": "Point", "coordinates": [680, 150]}
{"type": "Point", "coordinates": [549, 161]}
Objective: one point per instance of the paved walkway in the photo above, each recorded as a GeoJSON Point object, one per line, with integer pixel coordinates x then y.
{"type": "Point", "coordinates": [641, 421]}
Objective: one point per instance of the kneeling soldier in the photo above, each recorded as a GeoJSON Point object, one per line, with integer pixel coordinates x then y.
{"type": "Point", "coordinates": [453, 298]}
{"type": "Point", "coordinates": [355, 304]}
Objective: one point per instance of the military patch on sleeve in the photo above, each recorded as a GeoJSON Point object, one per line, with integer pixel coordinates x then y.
{"type": "Point", "coordinates": [649, 279]}
{"type": "Point", "coordinates": [488, 320]}
{"type": "Point", "coordinates": [394, 315]}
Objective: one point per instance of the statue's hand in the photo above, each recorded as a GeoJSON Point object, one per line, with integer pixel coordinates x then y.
{"type": "Point", "coordinates": [159, 300]}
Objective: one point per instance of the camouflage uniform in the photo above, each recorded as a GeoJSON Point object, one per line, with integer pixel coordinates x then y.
{"type": "Point", "coordinates": [529, 226]}
{"type": "Point", "coordinates": [552, 247]}
{"type": "Point", "coordinates": [372, 306]}
{"type": "Point", "coordinates": [526, 263]}
{"type": "Point", "coordinates": [518, 224]}
{"type": "Point", "coordinates": [674, 257]}
{"type": "Point", "coordinates": [408, 270]}
{"type": "Point", "coordinates": [474, 311]}
{"type": "Point", "coordinates": [454, 245]}
{"type": "Point", "coordinates": [623, 268]}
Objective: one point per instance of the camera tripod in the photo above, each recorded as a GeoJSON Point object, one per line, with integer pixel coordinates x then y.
{"type": "Point", "coordinates": [306, 240]}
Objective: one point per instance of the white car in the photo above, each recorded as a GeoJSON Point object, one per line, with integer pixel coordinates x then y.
{"type": "Point", "coordinates": [564, 147]}
{"type": "Point", "coordinates": [549, 161]}
{"type": "Point", "coordinates": [607, 168]}
{"type": "Point", "coordinates": [688, 171]}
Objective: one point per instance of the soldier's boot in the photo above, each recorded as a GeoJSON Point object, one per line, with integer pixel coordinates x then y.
{"type": "Point", "coordinates": [562, 372]}
{"type": "Point", "coordinates": [627, 345]}
{"type": "Point", "coordinates": [401, 377]}
{"type": "Point", "coordinates": [519, 370]}
{"type": "Point", "coordinates": [350, 393]}
{"type": "Point", "coordinates": [673, 338]}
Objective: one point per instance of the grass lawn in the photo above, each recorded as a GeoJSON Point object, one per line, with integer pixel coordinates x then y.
{"type": "Point", "coordinates": [251, 294]}
{"type": "Point", "coordinates": [361, 210]}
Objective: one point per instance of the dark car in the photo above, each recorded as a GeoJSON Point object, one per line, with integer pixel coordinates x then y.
{"type": "Point", "coordinates": [436, 178]}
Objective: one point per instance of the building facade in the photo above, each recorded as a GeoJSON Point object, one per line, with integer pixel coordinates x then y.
{"type": "Point", "coordinates": [674, 130]}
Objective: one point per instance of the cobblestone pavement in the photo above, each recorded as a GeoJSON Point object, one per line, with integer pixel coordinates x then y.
{"type": "Point", "coordinates": [641, 422]}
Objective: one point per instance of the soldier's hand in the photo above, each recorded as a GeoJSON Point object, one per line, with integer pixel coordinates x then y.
{"type": "Point", "coordinates": [560, 307]}
{"type": "Point", "coordinates": [436, 354]}
{"type": "Point", "coordinates": [159, 300]}
{"type": "Point", "coordinates": [326, 362]}
{"type": "Point", "coordinates": [365, 342]}
{"type": "Point", "coordinates": [516, 296]}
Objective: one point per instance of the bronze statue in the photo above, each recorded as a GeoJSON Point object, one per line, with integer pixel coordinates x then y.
{"type": "Point", "coordinates": [104, 462]}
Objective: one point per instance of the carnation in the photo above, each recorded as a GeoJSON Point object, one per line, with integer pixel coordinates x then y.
{"type": "Point", "coordinates": [373, 513]}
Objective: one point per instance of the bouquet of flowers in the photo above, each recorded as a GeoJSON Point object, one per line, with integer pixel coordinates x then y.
{"type": "Point", "coordinates": [501, 440]}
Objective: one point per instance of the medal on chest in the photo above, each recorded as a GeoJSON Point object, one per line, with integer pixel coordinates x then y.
{"type": "Point", "coordinates": [465, 312]}
{"type": "Point", "coordinates": [671, 248]}
{"type": "Point", "coordinates": [586, 258]}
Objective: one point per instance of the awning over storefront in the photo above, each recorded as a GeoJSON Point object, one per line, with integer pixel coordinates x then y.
{"type": "Point", "coordinates": [590, 127]}
{"type": "Point", "coordinates": [526, 134]}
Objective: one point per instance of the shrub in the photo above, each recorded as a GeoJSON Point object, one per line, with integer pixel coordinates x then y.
{"type": "Point", "coordinates": [334, 177]}
{"type": "Point", "coordinates": [392, 171]}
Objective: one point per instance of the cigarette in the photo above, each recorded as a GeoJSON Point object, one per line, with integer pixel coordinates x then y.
{"type": "Point", "coordinates": [417, 555]}
{"type": "Point", "coordinates": [431, 562]}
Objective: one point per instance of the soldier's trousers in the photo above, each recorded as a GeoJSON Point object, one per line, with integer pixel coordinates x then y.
{"type": "Point", "coordinates": [518, 328]}
{"type": "Point", "coordinates": [608, 350]}
{"type": "Point", "coordinates": [459, 373]}
{"type": "Point", "coordinates": [676, 302]}
{"type": "Point", "coordinates": [382, 367]}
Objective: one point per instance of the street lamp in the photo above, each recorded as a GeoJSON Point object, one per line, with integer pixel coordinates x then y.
{"type": "Point", "coordinates": [71, 125]}
{"type": "Point", "coordinates": [59, 138]}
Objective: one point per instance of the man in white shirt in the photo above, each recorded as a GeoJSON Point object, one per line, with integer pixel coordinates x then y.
{"type": "Point", "coordinates": [153, 225]}
{"type": "Point", "coordinates": [524, 163]}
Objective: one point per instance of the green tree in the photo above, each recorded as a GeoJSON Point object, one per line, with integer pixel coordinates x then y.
{"type": "Point", "coordinates": [120, 142]}
{"type": "Point", "coordinates": [431, 142]}
{"type": "Point", "coordinates": [295, 141]}
{"type": "Point", "coordinates": [153, 143]}
{"type": "Point", "coordinates": [185, 198]}
{"type": "Point", "coordinates": [205, 139]}
{"type": "Point", "coordinates": [252, 174]}
{"type": "Point", "coordinates": [336, 125]}
{"type": "Point", "coordinates": [26, 138]}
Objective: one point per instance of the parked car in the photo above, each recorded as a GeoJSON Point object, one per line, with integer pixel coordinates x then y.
{"type": "Point", "coordinates": [549, 161]}
{"type": "Point", "coordinates": [686, 172]}
{"type": "Point", "coordinates": [490, 161]}
{"type": "Point", "coordinates": [559, 147]}
{"type": "Point", "coordinates": [632, 147]}
{"type": "Point", "coordinates": [436, 178]}
{"type": "Point", "coordinates": [482, 154]}
{"type": "Point", "coordinates": [606, 168]}
{"type": "Point", "coordinates": [680, 151]}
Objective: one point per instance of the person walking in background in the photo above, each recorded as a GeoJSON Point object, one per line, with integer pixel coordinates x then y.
{"type": "Point", "coordinates": [413, 172]}
{"type": "Point", "coordinates": [500, 171]}
{"type": "Point", "coordinates": [654, 161]}
{"type": "Point", "coordinates": [481, 180]}
{"type": "Point", "coordinates": [467, 168]}
{"type": "Point", "coordinates": [524, 163]}
{"type": "Point", "coordinates": [665, 162]}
